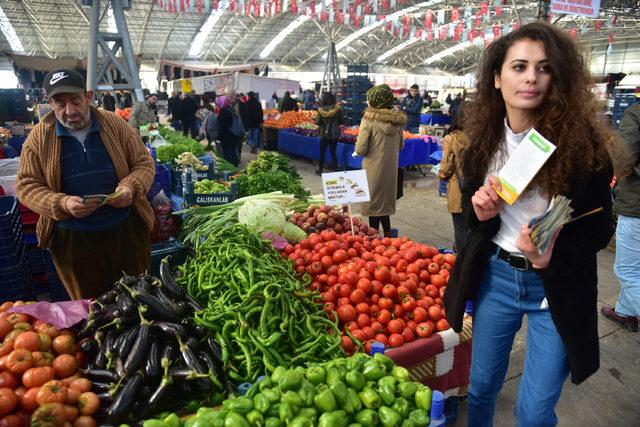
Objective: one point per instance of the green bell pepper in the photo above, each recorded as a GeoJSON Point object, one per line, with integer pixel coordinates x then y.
{"type": "Point", "coordinates": [154, 423]}
{"type": "Point", "coordinates": [354, 400]}
{"type": "Point", "coordinates": [325, 401]}
{"type": "Point", "coordinates": [272, 394]}
{"type": "Point", "coordinates": [407, 389]}
{"type": "Point", "coordinates": [315, 374]}
{"type": "Point", "coordinates": [401, 373]}
{"type": "Point", "coordinates": [266, 383]}
{"type": "Point", "coordinates": [292, 397]}
{"type": "Point", "coordinates": [334, 419]}
{"type": "Point", "coordinates": [389, 417]}
{"type": "Point", "coordinates": [273, 422]}
{"type": "Point", "coordinates": [310, 413]}
{"type": "Point", "coordinates": [355, 379]}
{"type": "Point", "coordinates": [386, 361]}
{"type": "Point", "coordinates": [172, 420]}
{"type": "Point", "coordinates": [367, 417]}
{"type": "Point", "coordinates": [287, 411]}
{"type": "Point", "coordinates": [306, 392]}
{"type": "Point", "coordinates": [387, 389]}
{"type": "Point", "coordinates": [423, 398]}
{"type": "Point", "coordinates": [373, 370]}
{"type": "Point", "coordinates": [241, 405]}
{"type": "Point", "coordinates": [300, 422]}
{"type": "Point", "coordinates": [420, 417]}
{"type": "Point", "coordinates": [209, 417]}
{"type": "Point", "coordinates": [277, 374]}
{"type": "Point", "coordinates": [355, 425]}
{"type": "Point", "coordinates": [255, 418]}
{"type": "Point", "coordinates": [340, 392]}
{"type": "Point", "coordinates": [234, 419]}
{"type": "Point", "coordinates": [333, 376]}
{"type": "Point", "coordinates": [290, 380]}
{"type": "Point", "coordinates": [401, 406]}
{"type": "Point", "coordinates": [273, 411]}
{"type": "Point", "coordinates": [261, 403]}
{"type": "Point", "coordinates": [408, 423]}
{"type": "Point", "coordinates": [354, 363]}
{"type": "Point", "coordinates": [370, 398]}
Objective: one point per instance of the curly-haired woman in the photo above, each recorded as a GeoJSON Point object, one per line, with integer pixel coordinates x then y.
{"type": "Point", "coordinates": [534, 77]}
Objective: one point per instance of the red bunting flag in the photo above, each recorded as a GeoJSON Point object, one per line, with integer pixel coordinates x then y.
{"type": "Point", "coordinates": [610, 38]}
{"type": "Point", "coordinates": [324, 16]}
{"type": "Point", "coordinates": [216, 3]}
{"type": "Point", "coordinates": [388, 26]}
{"type": "Point", "coordinates": [484, 8]}
{"type": "Point", "coordinates": [339, 18]}
{"type": "Point", "coordinates": [428, 19]}
{"type": "Point", "coordinates": [396, 32]}
{"type": "Point", "coordinates": [597, 25]}
{"type": "Point", "coordinates": [471, 35]}
{"type": "Point", "coordinates": [443, 31]}
{"type": "Point", "coordinates": [497, 31]}
{"type": "Point", "coordinates": [385, 4]}
{"type": "Point", "coordinates": [232, 6]}
{"type": "Point", "coordinates": [200, 6]}
{"type": "Point", "coordinates": [573, 32]}
{"type": "Point", "coordinates": [247, 8]}
{"type": "Point", "coordinates": [498, 11]}
{"type": "Point", "coordinates": [313, 8]}
{"type": "Point", "coordinates": [356, 22]}
{"type": "Point", "coordinates": [294, 7]}
{"type": "Point", "coordinates": [419, 33]}
{"type": "Point", "coordinates": [429, 35]}
{"type": "Point", "coordinates": [478, 22]}
{"type": "Point", "coordinates": [181, 5]}
{"type": "Point", "coordinates": [367, 9]}
{"type": "Point", "coordinates": [407, 20]}
{"type": "Point", "coordinates": [455, 15]}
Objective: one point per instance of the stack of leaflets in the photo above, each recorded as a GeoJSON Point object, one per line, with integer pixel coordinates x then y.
{"type": "Point", "coordinates": [543, 227]}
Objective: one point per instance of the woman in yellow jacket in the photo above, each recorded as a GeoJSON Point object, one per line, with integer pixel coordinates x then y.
{"type": "Point", "coordinates": [451, 171]}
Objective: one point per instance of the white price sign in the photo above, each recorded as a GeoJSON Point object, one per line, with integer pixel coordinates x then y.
{"type": "Point", "coordinates": [343, 188]}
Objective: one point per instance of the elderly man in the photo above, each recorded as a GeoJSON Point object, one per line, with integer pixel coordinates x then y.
{"type": "Point", "coordinates": [143, 112]}
{"type": "Point", "coordinates": [78, 151]}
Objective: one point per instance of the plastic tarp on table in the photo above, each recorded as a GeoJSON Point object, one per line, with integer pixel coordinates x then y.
{"type": "Point", "coordinates": [415, 151]}
{"type": "Point", "coordinates": [442, 361]}
{"type": "Point", "coordinates": [434, 119]}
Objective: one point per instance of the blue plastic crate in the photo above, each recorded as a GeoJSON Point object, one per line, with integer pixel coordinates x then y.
{"type": "Point", "coordinates": [13, 259]}
{"type": "Point", "coordinates": [8, 211]}
{"type": "Point", "coordinates": [161, 250]}
{"type": "Point", "coordinates": [11, 236]}
{"type": "Point", "coordinates": [39, 261]}
{"type": "Point", "coordinates": [16, 285]}
{"type": "Point", "coordinates": [31, 238]}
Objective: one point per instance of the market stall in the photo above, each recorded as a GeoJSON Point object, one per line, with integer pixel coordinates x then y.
{"type": "Point", "coordinates": [435, 119]}
{"type": "Point", "coordinates": [415, 152]}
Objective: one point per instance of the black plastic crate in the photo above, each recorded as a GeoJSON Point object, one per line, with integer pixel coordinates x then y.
{"type": "Point", "coordinates": [161, 250]}
{"type": "Point", "coordinates": [16, 284]}
{"type": "Point", "coordinates": [8, 211]}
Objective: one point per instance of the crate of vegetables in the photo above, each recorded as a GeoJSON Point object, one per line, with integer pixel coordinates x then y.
{"type": "Point", "coordinates": [210, 193]}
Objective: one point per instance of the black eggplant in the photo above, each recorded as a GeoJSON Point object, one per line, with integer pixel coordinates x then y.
{"type": "Point", "coordinates": [195, 305]}
{"type": "Point", "coordinates": [108, 297]}
{"type": "Point", "coordinates": [152, 368]}
{"type": "Point", "coordinates": [155, 306]}
{"type": "Point", "coordinates": [119, 365]}
{"type": "Point", "coordinates": [101, 387]}
{"type": "Point", "coordinates": [190, 358]}
{"type": "Point", "coordinates": [105, 399]}
{"type": "Point", "coordinates": [160, 393]}
{"type": "Point", "coordinates": [169, 353]}
{"type": "Point", "coordinates": [101, 375]}
{"type": "Point", "coordinates": [138, 352]}
{"type": "Point", "coordinates": [89, 346]}
{"type": "Point", "coordinates": [168, 281]}
{"type": "Point", "coordinates": [181, 310]}
{"type": "Point", "coordinates": [125, 399]}
{"type": "Point", "coordinates": [126, 343]}
{"type": "Point", "coordinates": [213, 348]}
{"type": "Point", "coordinates": [171, 329]}
{"type": "Point", "coordinates": [125, 303]}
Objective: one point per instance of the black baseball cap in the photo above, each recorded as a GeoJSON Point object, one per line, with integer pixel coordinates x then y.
{"type": "Point", "coordinates": [63, 80]}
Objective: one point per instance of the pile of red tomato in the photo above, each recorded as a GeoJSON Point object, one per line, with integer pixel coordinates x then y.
{"type": "Point", "coordinates": [388, 290]}
{"type": "Point", "coordinates": [40, 377]}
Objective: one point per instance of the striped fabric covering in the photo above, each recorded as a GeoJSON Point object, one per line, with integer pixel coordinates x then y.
{"type": "Point", "coordinates": [442, 361]}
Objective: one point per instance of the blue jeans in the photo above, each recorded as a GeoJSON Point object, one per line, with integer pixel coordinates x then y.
{"type": "Point", "coordinates": [504, 297]}
{"type": "Point", "coordinates": [627, 265]}
{"type": "Point", "coordinates": [254, 137]}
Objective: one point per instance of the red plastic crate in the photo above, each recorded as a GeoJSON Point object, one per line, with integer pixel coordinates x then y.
{"type": "Point", "coordinates": [29, 218]}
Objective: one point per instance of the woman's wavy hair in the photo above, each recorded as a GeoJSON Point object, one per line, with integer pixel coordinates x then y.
{"type": "Point", "coordinates": [568, 116]}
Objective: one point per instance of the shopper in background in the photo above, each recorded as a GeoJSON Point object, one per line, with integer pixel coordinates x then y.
{"type": "Point", "coordinates": [523, 84]}
{"type": "Point", "coordinates": [242, 112]}
{"type": "Point", "coordinates": [108, 102]}
{"type": "Point", "coordinates": [90, 246]}
{"type": "Point", "coordinates": [188, 108]}
{"type": "Point", "coordinates": [143, 113]}
{"type": "Point", "coordinates": [127, 100]}
{"type": "Point", "coordinates": [173, 109]}
{"type": "Point", "coordinates": [308, 100]}
{"type": "Point", "coordinates": [451, 170]}
{"type": "Point", "coordinates": [329, 119]}
{"type": "Point", "coordinates": [230, 130]}
{"type": "Point", "coordinates": [255, 118]}
{"type": "Point", "coordinates": [288, 103]}
{"type": "Point", "coordinates": [379, 142]}
{"type": "Point", "coordinates": [412, 106]}
{"type": "Point", "coordinates": [626, 157]}
{"type": "Point", "coordinates": [454, 103]}
{"type": "Point", "coordinates": [426, 98]}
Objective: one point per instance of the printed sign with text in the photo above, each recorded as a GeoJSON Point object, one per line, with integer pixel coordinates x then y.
{"type": "Point", "coordinates": [343, 188]}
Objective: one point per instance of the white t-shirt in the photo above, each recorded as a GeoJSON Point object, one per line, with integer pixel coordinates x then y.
{"type": "Point", "coordinates": [528, 205]}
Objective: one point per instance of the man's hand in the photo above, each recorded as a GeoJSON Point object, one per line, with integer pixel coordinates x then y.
{"type": "Point", "coordinates": [530, 250]}
{"type": "Point", "coordinates": [124, 199]}
{"type": "Point", "coordinates": [74, 206]}
{"type": "Point", "coordinates": [486, 202]}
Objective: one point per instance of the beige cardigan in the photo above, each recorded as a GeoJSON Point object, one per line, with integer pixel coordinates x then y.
{"type": "Point", "coordinates": [39, 175]}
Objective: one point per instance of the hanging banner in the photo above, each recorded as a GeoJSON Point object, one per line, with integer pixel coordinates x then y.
{"type": "Point", "coordinates": [186, 86]}
{"type": "Point", "coordinates": [589, 8]}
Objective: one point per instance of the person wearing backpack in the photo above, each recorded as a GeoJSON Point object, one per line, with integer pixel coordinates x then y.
{"type": "Point", "coordinates": [330, 117]}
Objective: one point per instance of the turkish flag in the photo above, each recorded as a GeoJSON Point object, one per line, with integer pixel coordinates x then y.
{"type": "Point", "coordinates": [455, 15]}
{"type": "Point", "coordinates": [419, 33]}
{"type": "Point", "coordinates": [497, 31]}
{"type": "Point", "coordinates": [484, 8]}
{"type": "Point", "coordinates": [478, 22]}
{"type": "Point", "coordinates": [385, 4]}
{"type": "Point", "coordinates": [324, 16]}
{"type": "Point", "coordinates": [388, 26]}
{"type": "Point", "coordinates": [430, 35]}
{"type": "Point", "coordinates": [356, 22]}
{"type": "Point", "coordinates": [367, 9]}
{"type": "Point", "coordinates": [428, 19]}
{"type": "Point", "coordinates": [339, 18]}
{"type": "Point", "coordinates": [294, 7]}
{"type": "Point", "coordinates": [498, 11]}
{"type": "Point", "coordinates": [313, 8]}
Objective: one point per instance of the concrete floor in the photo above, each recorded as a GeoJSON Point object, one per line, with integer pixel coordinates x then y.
{"type": "Point", "coordinates": [608, 398]}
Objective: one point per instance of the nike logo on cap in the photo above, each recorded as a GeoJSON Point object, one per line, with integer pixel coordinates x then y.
{"type": "Point", "coordinates": [57, 77]}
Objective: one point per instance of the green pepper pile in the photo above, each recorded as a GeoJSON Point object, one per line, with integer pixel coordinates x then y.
{"type": "Point", "coordinates": [259, 311]}
{"type": "Point", "coordinates": [207, 186]}
{"type": "Point", "coordinates": [359, 391]}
